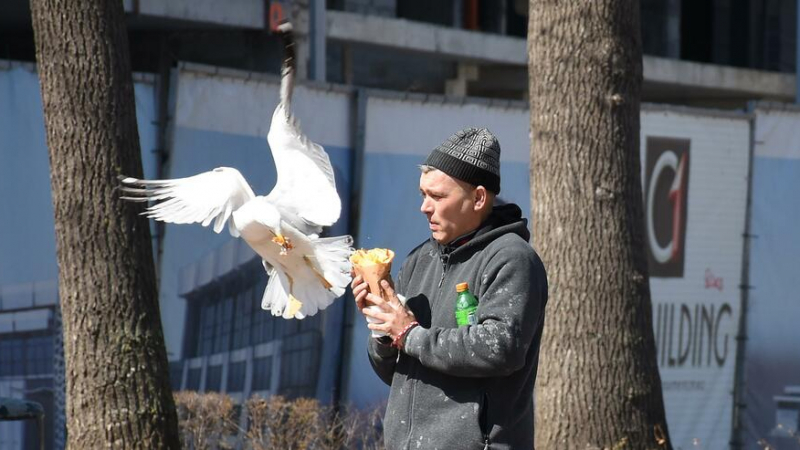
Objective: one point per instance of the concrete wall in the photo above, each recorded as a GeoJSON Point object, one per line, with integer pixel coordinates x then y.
{"type": "Point", "coordinates": [27, 239]}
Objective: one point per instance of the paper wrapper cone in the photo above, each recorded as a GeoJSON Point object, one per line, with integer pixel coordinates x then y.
{"type": "Point", "coordinates": [373, 274]}
{"type": "Point", "coordinates": [374, 265]}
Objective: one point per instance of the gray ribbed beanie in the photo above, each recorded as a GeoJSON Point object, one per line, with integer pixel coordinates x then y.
{"type": "Point", "coordinates": [471, 155]}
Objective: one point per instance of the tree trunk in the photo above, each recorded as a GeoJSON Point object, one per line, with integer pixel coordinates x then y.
{"type": "Point", "coordinates": [118, 392]}
{"type": "Point", "coordinates": [598, 383]}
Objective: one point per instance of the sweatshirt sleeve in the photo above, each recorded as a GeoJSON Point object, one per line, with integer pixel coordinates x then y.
{"type": "Point", "coordinates": [383, 359]}
{"type": "Point", "coordinates": [510, 309]}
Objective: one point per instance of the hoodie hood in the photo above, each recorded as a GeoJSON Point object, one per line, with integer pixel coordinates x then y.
{"type": "Point", "coordinates": [503, 219]}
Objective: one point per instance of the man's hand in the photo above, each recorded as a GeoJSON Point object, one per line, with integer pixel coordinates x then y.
{"type": "Point", "coordinates": [360, 290]}
{"type": "Point", "coordinates": [391, 317]}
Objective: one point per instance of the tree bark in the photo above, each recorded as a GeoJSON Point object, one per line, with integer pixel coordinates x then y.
{"type": "Point", "coordinates": [118, 393]}
{"type": "Point", "coordinates": [598, 384]}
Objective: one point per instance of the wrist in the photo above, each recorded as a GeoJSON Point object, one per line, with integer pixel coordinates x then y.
{"type": "Point", "coordinates": [399, 341]}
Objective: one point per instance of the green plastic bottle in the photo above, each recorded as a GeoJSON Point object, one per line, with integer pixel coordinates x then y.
{"type": "Point", "coordinates": [466, 306]}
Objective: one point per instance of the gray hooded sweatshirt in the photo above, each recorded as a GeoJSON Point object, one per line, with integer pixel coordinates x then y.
{"type": "Point", "coordinates": [469, 387]}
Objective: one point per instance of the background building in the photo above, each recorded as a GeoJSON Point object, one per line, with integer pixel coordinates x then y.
{"type": "Point", "coordinates": [386, 81]}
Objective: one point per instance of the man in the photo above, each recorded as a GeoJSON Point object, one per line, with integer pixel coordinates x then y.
{"type": "Point", "coordinates": [468, 387]}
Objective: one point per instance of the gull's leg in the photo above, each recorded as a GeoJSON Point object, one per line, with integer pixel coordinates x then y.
{"type": "Point", "coordinates": [284, 242]}
{"type": "Point", "coordinates": [320, 277]}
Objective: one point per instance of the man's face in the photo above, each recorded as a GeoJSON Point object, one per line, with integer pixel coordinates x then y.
{"type": "Point", "coordinates": [449, 205]}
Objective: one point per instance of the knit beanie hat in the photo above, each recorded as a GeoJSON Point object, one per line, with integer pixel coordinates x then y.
{"type": "Point", "coordinates": [471, 155]}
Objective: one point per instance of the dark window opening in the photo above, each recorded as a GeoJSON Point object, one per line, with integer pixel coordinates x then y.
{"type": "Point", "coordinates": [236, 374]}
{"type": "Point", "coordinates": [214, 378]}
{"type": "Point", "coordinates": [193, 379]}
{"type": "Point", "coordinates": [262, 373]}
{"type": "Point", "coordinates": [697, 28]}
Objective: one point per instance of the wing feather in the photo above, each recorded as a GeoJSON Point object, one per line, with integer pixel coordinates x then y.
{"type": "Point", "coordinates": [204, 198]}
{"type": "Point", "coordinates": [306, 187]}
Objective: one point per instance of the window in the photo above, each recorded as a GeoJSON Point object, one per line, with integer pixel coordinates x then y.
{"type": "Point", "coordinates": [235, 321]}
{"type": "Point", "coordinates": [300, 364]}
{"type": "Point", "coordinates": [206, 331]}
{"type": "Point", "coordinates": [311, 323]}
{"type": "Point", "coordinates": [226, 315]}
{"type": "Point", "coordinates": [18, 357]}
{"type": "Point", "coordinates": [193, 379]}
{"type": "Point", "coordinates": [26, 355]}
{"type": "Point", "coordinates": [175, 375]}
{"type": "Point", "coordinates": [39, 355]}
{"type": "Point", "coordinates": [263, 321]}
{"type": "Point", "coordinates": [262, 374]}
{"type": "Point", "coordinates": [290, 327]}
{"type": "Point", "coordinates": [223, 319]}
{"type": "Point", "coordinates": [236, 373]}
{"type": "Point", "coordinates": [242, 320]}
{"type": "Point", "coordinates": [7, 356]}
{"type": "Point", "coordinates": [214, 378]}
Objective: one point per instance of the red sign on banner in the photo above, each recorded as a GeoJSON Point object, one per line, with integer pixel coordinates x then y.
{"type": "Point", "coordinates": [666, 197]}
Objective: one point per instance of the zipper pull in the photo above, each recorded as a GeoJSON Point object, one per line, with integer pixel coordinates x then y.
{"type": "Point", "coordinates": [445, 259]}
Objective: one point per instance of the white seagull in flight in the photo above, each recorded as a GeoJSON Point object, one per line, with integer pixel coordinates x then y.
{"type": "Point", "coordinates": [306, 272]}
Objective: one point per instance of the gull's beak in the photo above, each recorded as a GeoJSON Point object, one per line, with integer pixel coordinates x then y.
{"type": "Point", "coordinates": [279, 239]}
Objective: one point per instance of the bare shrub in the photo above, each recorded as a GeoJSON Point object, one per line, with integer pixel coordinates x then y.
{"type": "Point", "coordinates": [365, 428]}
{"type": "Point", "coordinates": [207, 421]}
{"type": "Point", "coordinates": [350, 428]}
{"type": "Point", "coordinates": [276, 423]}
{"type": "Point", "coordinates": [333, 430]}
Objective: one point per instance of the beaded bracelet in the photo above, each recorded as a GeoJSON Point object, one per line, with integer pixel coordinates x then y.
{"type": "Point", "coordinates": [398, 340]}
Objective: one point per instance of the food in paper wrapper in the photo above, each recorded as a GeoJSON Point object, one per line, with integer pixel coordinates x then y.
{"type": "Point", "coordinates": [374, 265]}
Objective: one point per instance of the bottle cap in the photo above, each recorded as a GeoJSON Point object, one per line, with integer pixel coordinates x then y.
{"type": "Point", "coordinates": [461, 287]}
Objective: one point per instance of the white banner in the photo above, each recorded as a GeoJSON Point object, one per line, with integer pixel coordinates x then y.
{"type": "Point", "coordinates": [694, 175]}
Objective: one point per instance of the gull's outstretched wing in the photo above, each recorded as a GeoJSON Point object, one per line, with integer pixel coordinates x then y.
{"type": "Point", "coordinates": [305, 192]}
{"type": "Point", "coordinates": [203, 198]}
{"type": "Point", "coordinates": [306, 187]}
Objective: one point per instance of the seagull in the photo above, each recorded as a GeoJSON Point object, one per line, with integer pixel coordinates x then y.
{"type": "Point", "coordinates": [306, 272]}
